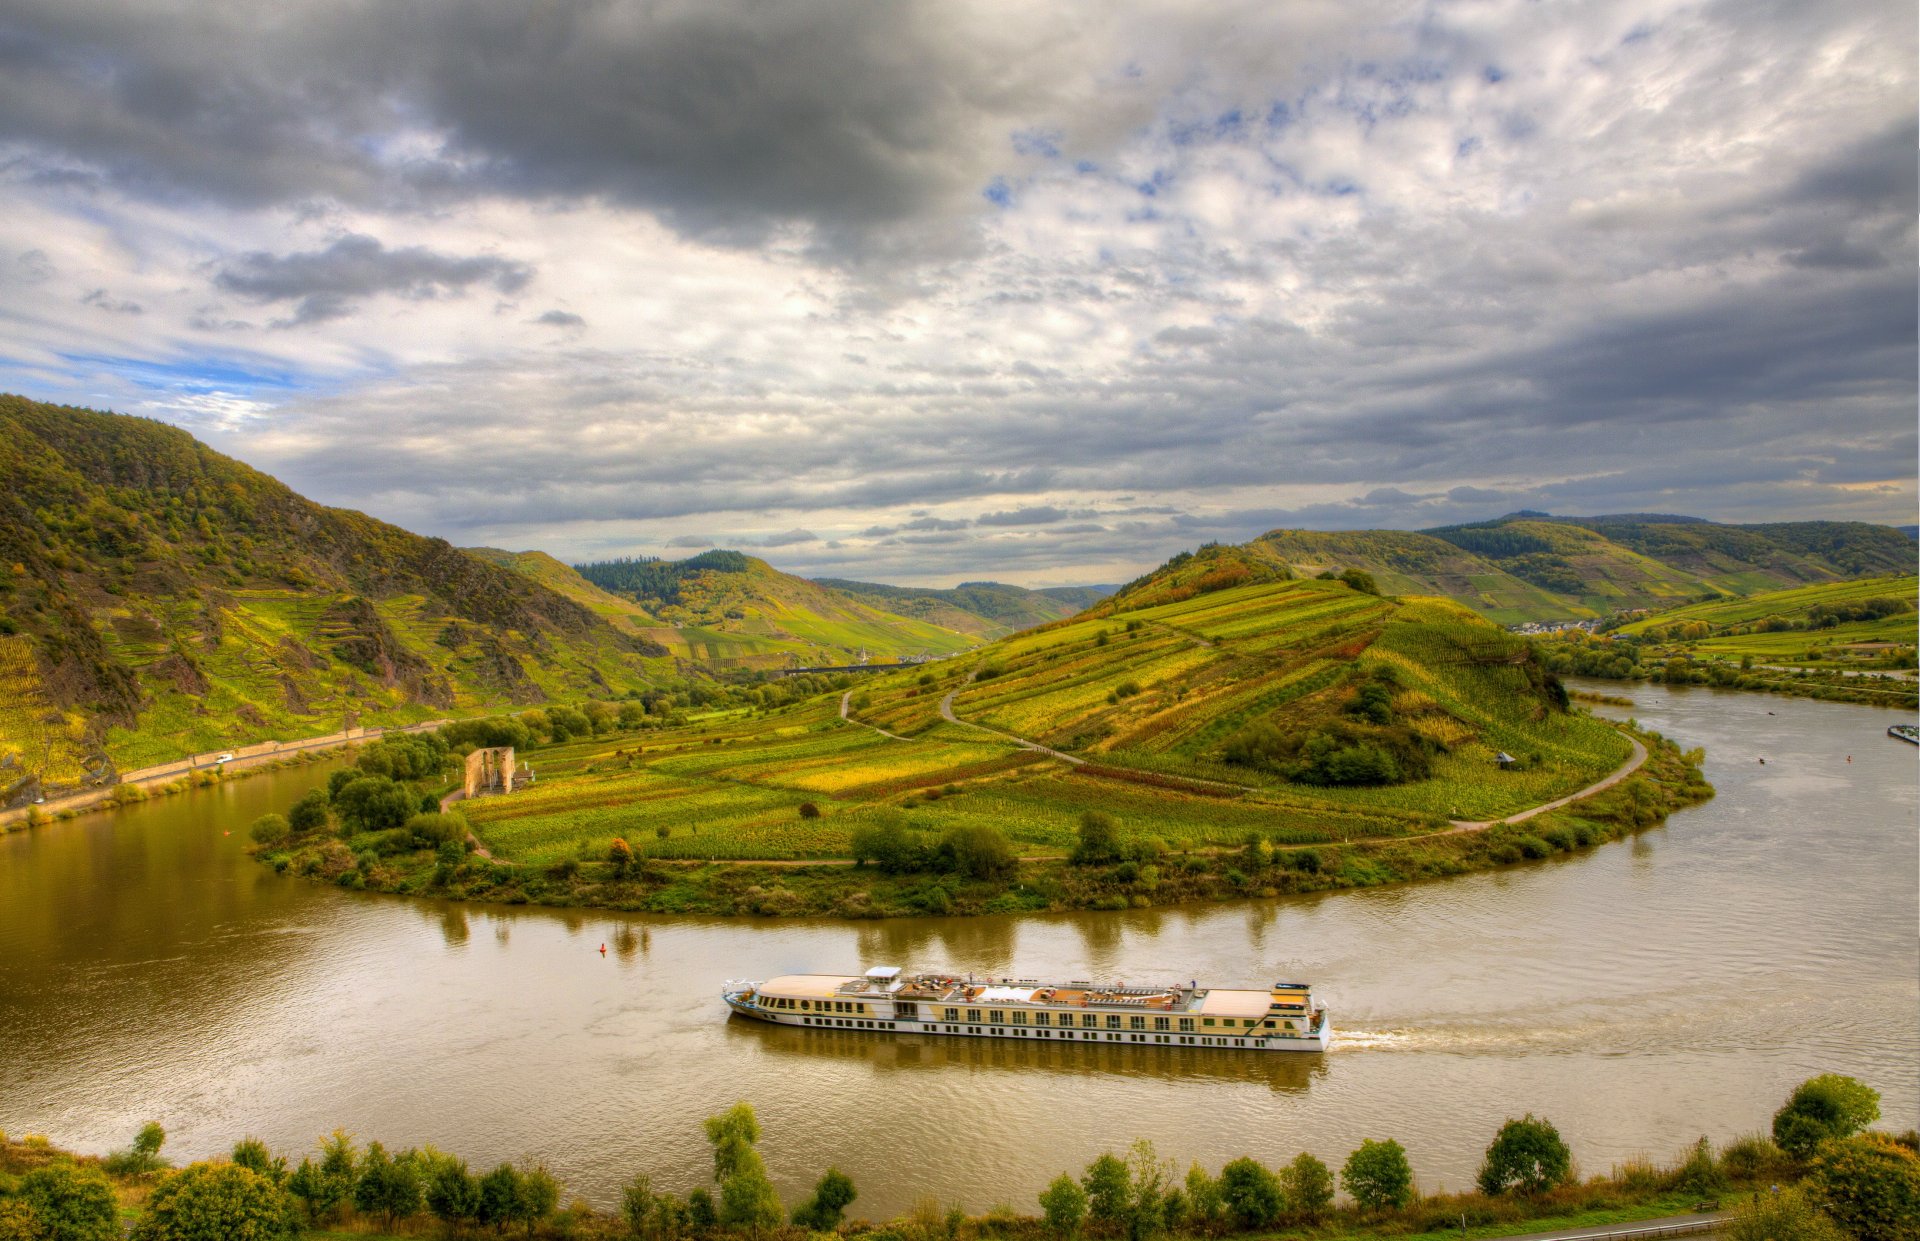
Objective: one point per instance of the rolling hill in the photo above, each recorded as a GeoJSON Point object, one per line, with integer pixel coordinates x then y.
{"type": "Point", "coordinates": [984, 609]}
{"type": "Point", "coordinates": [724, 609]}
{"type": "Point", "coordinates": [158, 598]}
{"type": "Point", "coordinates": [1532, 567]}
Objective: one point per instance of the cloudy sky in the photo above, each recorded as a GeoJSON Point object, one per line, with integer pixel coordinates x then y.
{"type": "Point", "coordinates": [923, 292]}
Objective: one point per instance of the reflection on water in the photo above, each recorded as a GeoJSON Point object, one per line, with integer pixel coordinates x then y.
{"type": "Point", "coordinates": [1008, 1063]}
{"type": "Point", "coordinates": [1639, 995]}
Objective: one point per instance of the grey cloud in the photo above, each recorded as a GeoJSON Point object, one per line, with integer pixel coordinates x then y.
{"type": "Point", "coordinates": [689, 541]}
{"type": "Point", "coordinates": [327, 283]}
{"type": "Point", "coordinates": [934, 523]}
{"type": "Point", "coordinates": [787, 539]}
{"type": "Point", "coordinates": [1036, 515]}
{"type": "Point", "coordinates": [113, 305]}
{"type": "Point", "coordinates": [560, 318]}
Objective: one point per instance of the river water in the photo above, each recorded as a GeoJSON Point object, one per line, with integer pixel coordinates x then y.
{"type": "Point", "coordinates": [1638, 995]}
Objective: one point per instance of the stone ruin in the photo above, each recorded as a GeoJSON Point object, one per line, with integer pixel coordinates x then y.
{"type": "Point", "coordinates": [489, 771]}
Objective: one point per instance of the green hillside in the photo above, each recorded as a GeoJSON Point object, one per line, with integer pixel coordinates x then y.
{"type": "Point", "coordinates": [984, 609]}
{"type": "Point", "coordinates": [1265, 689]}
{"type": "Point", "coordinates": [564, 579]}
{"type": "Point", "coordinates": [729, 610]}
{"type": "Point", "coordinates": [1532, 567]}
{"type": "Point", "coordinates": [158, 598]}
{"type": "Point", "coordinates": [1870, 619]}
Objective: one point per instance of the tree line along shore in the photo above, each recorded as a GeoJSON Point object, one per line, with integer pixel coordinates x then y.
{"type": "Point", "coordinates": [1821, 1175]}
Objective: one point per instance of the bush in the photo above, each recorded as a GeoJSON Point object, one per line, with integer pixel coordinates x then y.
{"type": "Point", "coordinates": [809, 811]}
{"type": "Point", "coordinates": [1701, 1173]}
{"type": "Point", "coordinates": [1064, 1205]}
{"type": "Point", "coordinates": [1099, 840]}
{"type": "Point", "coordinates": [70, 1204]}
{"type": "Point", "coordinates": [1778, 1216]}
{"type": "Point", "coordinates": [309, 813]}
{"type": "Point", "coordinates": [387, 1188]}
{"type": "Point", "coordinates": [831, 1197]}
{"type": "Point", "coordinates": [372, 804]}
{"type": "Point", "coordinates": [1822, 1108]}
{"type": "Point", "coordinates": [269, 829]}
{"type": "Point", "coordinates": [216, 1202]}
{"type": "Point", "coordinates": [1378, 1176]}
{"type": "Point", "coordinates": [1308, 1185]}
{"type": "Point", "coordinates": [1526, 1155]}
{"type": "Point", "coordinates": [978, 851]}
{"type": "Point", "coordinates": [1870, 1185]}
{"type": "Point", "coordinates": [431, 829]}
{"type": "Point", "coordinates": [1753, 1158]}
{"type": "Point", "coordinates": [1250, 1194]}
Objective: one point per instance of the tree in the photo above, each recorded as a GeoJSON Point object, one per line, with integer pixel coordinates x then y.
{"type": "Point", "coordinates": [309, 813]}
{"type": "Point", "coordinates": [539, 1195]}
{"type": "Point", "coordinates": [1870, 1185]}
{"type": "Point", "coordinates": [386, 1188]}
{"type": "Point", "coordinates": [1781, 1216]}
{"type": "Point", "coordinates": [1526, 1155]}
{"type": "Point", "coordinates": [147, 1144]}
{"type": "Point", "coordinates": [499, 1196]}
{"type": "Point", "coordinates": [1064, 1204]}
{"type": "Point", "coordinates": [1108, 1188]}
{"type": "Point", "coordinates": [1251, 1194]}
{"type": "Point", "coordinates": [1377, 1175]}
{"type": "Point", "coordinates": [1308, 1185]}
{"type": "Point", "coordinates": [979, 851]}
{"type": "Point", "coordinates": [216, 1202]}
{"type": "Point", "coordinates": [1204, 1207]}
{"type": "Point", "coordinates": [1824, 1107]}
{"type": "Point", "coordinates": [373, 804]}
{"type": "Point", "coordinates": [747, 1197]}
{"type": "Point", "coordinates": [69, 1203]}
{"type": "Point", "coordinates": [831, 1196]}
{"type": "Point", "coordinates": [269, 829]}
{"type": "Point", "coordinates": [452, 1194]}
{"type": "Point", "coordinates": [1099, 842]}
{"type": "Point", "coordinates": [252, 1154]}
{"type": "Point", "coordinates": [620, 857]}
{"type": "Point", "coordinates": [1360, 580]}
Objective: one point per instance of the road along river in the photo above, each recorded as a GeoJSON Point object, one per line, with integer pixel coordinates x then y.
{"type": "Point", "coordinates": [1639, 995]}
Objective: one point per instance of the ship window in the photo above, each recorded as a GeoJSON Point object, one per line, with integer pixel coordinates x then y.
{"type": "Point", "coordinates": [1207, 1021]}
{"type": "Point", "coordinates": [1043, 1019]}
{"type": "Point", "coordinates": [997, 1016]}
{"type": "Point", "coordinates": [1271, 1026]}
{"type": "Point", "coordinates": [973, 1014]}
{"type": "Point", "coordinates": [1088, 1019]}
{"type": "Point", "coordinates": [1161, 1023]}
{"type": "Point", "coordinates": [1186, 1023]}
{"type": "Point", "coordinates": [1291, 1026]}
{"type": "Point", "coordinates": [1019, 1017]}
{"type": "Point", "coordinates": [950, 1014]}
{"type": "Point", "coordinates": [1136, 1023]}
{"type": "Point", "coordinates": [1113, 1021]}
{"type": "Point", "coordinates": [805, 1003]}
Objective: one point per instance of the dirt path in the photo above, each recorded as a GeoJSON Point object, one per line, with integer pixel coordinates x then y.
{"type": "Point", "coordinates": [846, 701]}
{"type": "Point", "coordinates": [946, 713]}
{"type": "Point", "coordinates": [1620, 773]}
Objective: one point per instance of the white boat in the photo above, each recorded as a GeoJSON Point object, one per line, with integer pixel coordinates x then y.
{"type": "Point", "coordinates": [1282, 1017]}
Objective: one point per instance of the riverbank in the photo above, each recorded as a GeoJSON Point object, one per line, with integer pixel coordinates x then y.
{"type": "Point", "coordinates": [199, 771]}
{"type": "Point", "coordinates": [1667, 781]}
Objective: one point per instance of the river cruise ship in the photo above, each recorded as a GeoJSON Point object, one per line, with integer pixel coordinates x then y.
{"type": "Point", "coordinates": [1282, 1017]}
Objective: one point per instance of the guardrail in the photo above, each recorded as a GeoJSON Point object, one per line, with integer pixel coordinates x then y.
{"type": "Point", "coordinates": [1651, 1232]}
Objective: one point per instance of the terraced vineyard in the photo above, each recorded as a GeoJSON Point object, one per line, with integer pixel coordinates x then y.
{"type": "Point", "coordinates": [1154, 701]}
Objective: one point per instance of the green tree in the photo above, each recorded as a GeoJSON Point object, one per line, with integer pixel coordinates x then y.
{"type": "Point", "coordinates": [979, 851]}
{"type": "Point", "coordinates": [1109, 1190]}
{"type": "Point", "coordinates": [1870, 1185]}
{"type": "Point", "coordinates": [269, 829]}
{"type": "Point", "coordinates": [538, 1196]}
{"type": "Point", "coordinates": [747, 1197]}
{"type": "Point", "coordinates": [1204, 1207]}
{"type": "Point", "coordinates": [831, 1197]}
{"type": "Point", "coordinates": [452, 1194]}
{"type": "Point", "coordinates": [1308, 1185]}
{"type": "Point", "coordinates": [309, 813]}
{"type": "Point", "coordinates": [373, 804]}
{"type": "Point", "coordinates": [1251, 1194]}
{"type": "Point", "coordinates": [252, 1154]}
{"type": "Point", "coordinates": [1781, 1216]}
{"type": "Point", "coordinates": [1378, 1176]}
{"type": "Point", "coordinates": [1099, 840]}
{"type": "Point", "coordinates": [500, 1196]}
{"type": "Point", "coordinates": [620, 857]}
{"type": "Point", "coordinates": [1526, 1155]}
{"type": "Point", "coordinates": [69, 1203]}
{"type": "Point", "coordinates": [1360, 580]}
{"type": "Point", "coordinates": [147, 1144]}
{"type": "Point", "coordinates": [1824, 1107]}
{"type": "Point", "coordinates": [216, 1202]}
{"type": "Point", "coordinates": [386, 1187]}
{"type": "Point", "coordinates": [1064, 1204]}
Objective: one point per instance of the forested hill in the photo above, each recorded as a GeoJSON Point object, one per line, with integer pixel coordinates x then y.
{"type": "Point", "coordinates": [726, 609]}
{"type": "Point", "coordinates": [158, 598]}
{"type": "Point", "coordinates": [1533, 567]}
{"type": "Point", "coordinates": [988, 609]}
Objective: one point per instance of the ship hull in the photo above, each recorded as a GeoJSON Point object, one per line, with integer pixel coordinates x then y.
{"type": "Point", "coordinates": [1314, 1042]}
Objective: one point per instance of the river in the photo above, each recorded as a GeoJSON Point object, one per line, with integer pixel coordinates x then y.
{"type": "Point", "coordinates": [1638, 995]}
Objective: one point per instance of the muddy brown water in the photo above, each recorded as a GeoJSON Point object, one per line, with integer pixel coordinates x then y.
{"type": "Point", "coordinates": [1639, 995]}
